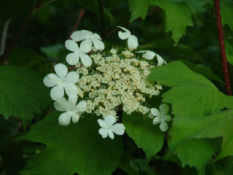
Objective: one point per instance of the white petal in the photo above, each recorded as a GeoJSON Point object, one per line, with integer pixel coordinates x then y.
{"type": "Point", "coordinates": [81, 107]}
{"type": "Point", "coordinates": [163, 126]}
{"type": "Point", "coordinates": [163, 109]}
{"type": "Point", "coordinates": [86, 60]}
{"type": "Point", "coordinates": [86, 46]}
{"type": "Point", "coordinates": [61, 105]}
{"type": "Point", "coordinates": [124, 35]}
{"type": "Point", "coordinates": [156, 120]}
{"type": "Point", "coordinates": [109, 120]}
{"type": "Point", "coordinates": [103, 132]}
{"type": "Point", "coordinates": [73, 98]}
{"type": "Point", "coordinates": [155, 112]}
{"type": "Point", "coordinates": [72, 77]}
{"type": "Point", "coordinates": [64, 119]}
{"type": "Point", "coordinates": [72, 58]}
{"type": "Point", "coordinates": [110, 134]}
{"type": "Point", "coordinates": [51, 80]}
{"type": "Point", "coordinates": [160, 60]}
{"type": "Point", "coordinates": [70, 88]}
{"type": "Point", "coordinates": [149, 55]}
{"type": "Point", "coordinates": [61, 70]}
{"type": "Point", "coordinates": [167, 118]}
{"type": "Point", "coordinates": [95, 36]}
{"type": "Point", "coordinates": [102, 123]}
{"type": "Point", "coordinates": [98, 44]}
{"type": "Point", "coordinates": [132, 42]}
{"type": "Point", "coordinates": [75, 117]}
{"type": "Point", "coordinates": [81, 35]}
{"type": "Point", "coordinates": [57, 92]}
{"type": "Point", "coordinates": [71, 45]}
{"type": "Point", "coordinates": [118, 129]}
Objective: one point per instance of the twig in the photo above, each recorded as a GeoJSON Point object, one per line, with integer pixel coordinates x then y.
{"type": "Point", "coordinates": [222, 46]}
{"type": "Point", "coordinates": [4, 36]}
{"type": "Point", "coordinates": [81, 13]}
{"type": "Point", "coordinates": [101, 11]}
{"type": "Point", "coordinates": [19, 33]}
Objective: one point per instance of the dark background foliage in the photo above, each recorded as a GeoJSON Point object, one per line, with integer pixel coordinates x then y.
{"type": "Point", "coordinates": [35, 32]}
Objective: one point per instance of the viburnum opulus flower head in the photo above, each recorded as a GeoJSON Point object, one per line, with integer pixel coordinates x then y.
{"type": "Point", "coordinates": [105, 82]}
{"type": "Point", "coordinates": [61, 81]}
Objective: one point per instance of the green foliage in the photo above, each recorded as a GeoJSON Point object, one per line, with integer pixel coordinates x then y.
{"type": "Point", "coordinates": [12, 8]}
{"type": "Point", "coordinates": [226, 11]}
{"type": "Point", "coordinates": [146, 136]}
{"type": "Point", "coordinates": [174, 23]}
{"type": "Point", "coordinates": [30, 59]}
{"type": "Point", "coordinates": [195, 153]}
{"type": "Point", "coordinates": [190, 91]}
{"type": "Point", "coordinates": [229, 50]}
{"type": "Point", "coordinates": [199, 139]}
{"type": "Point", "coordinates": [77, 148]}
{"type": "Point", "coordinates": [217, 125]}
{"type": "Point", "coordinates": [20, 92]}
{"type": "Point", "coordinates": [192, 97]}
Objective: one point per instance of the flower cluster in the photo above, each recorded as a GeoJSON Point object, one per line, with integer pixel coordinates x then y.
{"type": "Point", "coordinates": [105, 82]}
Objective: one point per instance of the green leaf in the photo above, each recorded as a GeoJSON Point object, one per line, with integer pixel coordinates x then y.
{"type": "Point", "coordinates": [77, 148]}
{"type": "Point", "coordinates": [191, 95]}
{"type": "Point", "coordinates": [196, 5]}
{"type": "Point", "coordinates": [176, 24]}
{"type": "Point", "coordinates": [226, 7]}
{"type": "Point", "coordinates": [144, 133]}
{"type": "Point", "coordinates": [138, 8]}
{"type": "Point", "coordinates": [20, 90]}
{"type": "Point", "coordinates": [195, 153]}
{"type": "Point", "coordinates": [229, 50]}
{"type": "Point", "coordinates": [31, 59]}
{"type": "Point", "coordinates": [229, 166]}
{"type": "Point", "coordinates": [218, 125]}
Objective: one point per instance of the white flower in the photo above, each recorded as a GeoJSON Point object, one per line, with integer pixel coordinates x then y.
{"type": "Point", "coordinates": [73, 58]}
{"type": "Point", "coordinates": [72, 110]}
{"type": "Point", "coordinates": [132, 39]}
{"type": "Point", "coordinates": [149, 55]}
{"type": "Point", "coordinates": [161, 116]}
{"type": "Point", "coordinates": [62, 81]}
{"type": "Point", "coordinates": [88, 38]}
{"type": "Point", "coordinates": [109, 128]}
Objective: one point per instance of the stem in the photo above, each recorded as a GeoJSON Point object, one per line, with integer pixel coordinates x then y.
{"type": "Point", "coordinates": [4, 36]}
{"type": "Point", "coordinates": [19, 33]}
{"type": "Point", "coordinates": [222, 46]}
{"type": "Point", "coordinates": [81, 13]}
{"type": "Point", "coordinates": [101, 11]}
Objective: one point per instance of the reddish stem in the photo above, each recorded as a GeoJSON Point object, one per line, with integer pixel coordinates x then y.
{"type": "Point", "coordinates": [81, 13]}
{"type": "Point", "coordinates": [222, 46]}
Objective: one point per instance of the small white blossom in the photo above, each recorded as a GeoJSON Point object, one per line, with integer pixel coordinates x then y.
{"type": "Point", "coordinates": [88, 38]}
{"type": "Point", "coordinates": [132, 40]}
{"type": "Point", "coordinates": [161, 116]}
{"type": "Point", "coordinates": [62, 81]}
{"type": "Point", "coordinates": [73, 58]}
{"type": "Point", "coordinates": [108, 127]}
{"type": "Point", "coordinates": [72, 110]}
{"type": "Point", "coordinates": [149, 55]}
